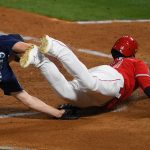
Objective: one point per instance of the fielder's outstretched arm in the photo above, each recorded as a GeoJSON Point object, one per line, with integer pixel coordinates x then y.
{"type": "Point", "coordinates": [37, 104]}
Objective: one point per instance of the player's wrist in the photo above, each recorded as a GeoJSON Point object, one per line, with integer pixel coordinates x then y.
{"type": "Point", "coordinates": [60, 114]}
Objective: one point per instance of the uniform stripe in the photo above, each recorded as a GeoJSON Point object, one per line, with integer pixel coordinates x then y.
{"type": "Point", "coordinates": [142, 75]}
{"type": "Point", "coordinates": [110, 80]}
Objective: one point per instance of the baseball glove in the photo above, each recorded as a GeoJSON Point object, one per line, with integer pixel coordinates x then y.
{"type": "Point", "coordinates": [68, 106]}
{"type": "Point", "coordinates": [71, 112]}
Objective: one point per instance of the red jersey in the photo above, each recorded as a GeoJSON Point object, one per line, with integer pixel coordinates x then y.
{"type": "Point", "coordinates": [135, 73]}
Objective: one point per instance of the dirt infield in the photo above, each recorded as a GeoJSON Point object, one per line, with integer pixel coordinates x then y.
{"type": "Point", "coordinates": [126, 130]}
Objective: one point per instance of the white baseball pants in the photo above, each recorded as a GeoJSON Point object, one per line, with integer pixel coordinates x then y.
{"type": "Point", "coordinates": [102, 79]}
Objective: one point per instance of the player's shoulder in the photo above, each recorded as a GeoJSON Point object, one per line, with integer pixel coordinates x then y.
{"type": "Point", "coordinates": [134, 60]}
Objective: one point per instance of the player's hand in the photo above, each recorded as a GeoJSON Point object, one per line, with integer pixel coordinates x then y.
{"type": "Point", "coordinates": [71, 112]}
{"type": "Point", "coordinates": [69, 115]}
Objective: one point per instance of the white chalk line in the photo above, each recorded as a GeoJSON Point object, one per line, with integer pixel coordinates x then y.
{"type": "Point", "coordinates": [96, 53]}
{"type": "Point", "coordinates": [14, 148]}
{"type": "Point", "coordinates": [18, 114]}
{"type": "Point", "coordinates": [112, 21]}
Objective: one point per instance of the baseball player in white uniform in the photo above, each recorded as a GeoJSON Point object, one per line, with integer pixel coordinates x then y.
{"type": "Point", "coordinates": [104, 80]}
{"type": "Point", "coordinates": [105, 85]}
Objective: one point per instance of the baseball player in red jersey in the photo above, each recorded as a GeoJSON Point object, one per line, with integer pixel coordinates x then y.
{"type": "Point", "coordinates": [115, 82]}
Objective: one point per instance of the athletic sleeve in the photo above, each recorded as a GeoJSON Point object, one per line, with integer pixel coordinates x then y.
{"type": "Point", "coordinates": [142, 74]}
{"type": "Point", "coordinates": [7, 42]}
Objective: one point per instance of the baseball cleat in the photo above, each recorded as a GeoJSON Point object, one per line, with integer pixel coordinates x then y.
{"type": "Point", "coordinates": [29, 56]}
{"type": "Point", "coordinates": [46, 44]}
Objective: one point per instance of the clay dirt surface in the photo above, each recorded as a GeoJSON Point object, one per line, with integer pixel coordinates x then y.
{"type": "Point", "coordinates": [124, 130]}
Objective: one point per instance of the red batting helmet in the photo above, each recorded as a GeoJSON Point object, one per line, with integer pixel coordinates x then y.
{"type": "Point", "coordinates": [126, 45]}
